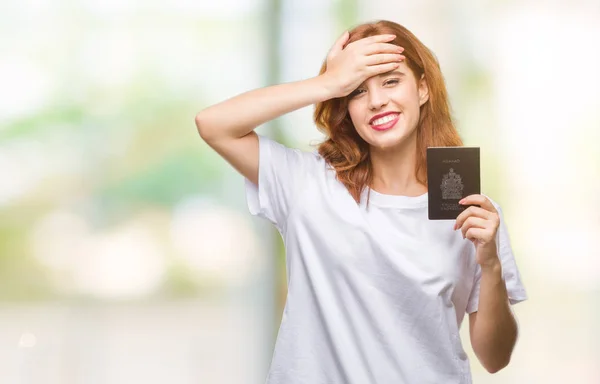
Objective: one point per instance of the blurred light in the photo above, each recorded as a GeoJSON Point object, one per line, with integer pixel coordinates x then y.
{"type": "Point", "coordinates": [544, 117]}
{"type": "Point", "coordinates": [126, 262]}
{"type": "Point", "coordinates": [202, 7]}
{"type": "Point", "coordinates": [215, 240]}
{"type": "Point", "coordinates": [120, 46]}
{"type": "Point", "coordinates": [25, 87]}
{"type": "Point", "coordinates": [27, 340]}
{"type": "Point", "coordinates": [571, 256]}
{"type": "Point", "coordinates": [57, 237]}
{"type": "Point", "coordinates": [25, 163]}
{"type": "Point", "coordinates": [22, 166]}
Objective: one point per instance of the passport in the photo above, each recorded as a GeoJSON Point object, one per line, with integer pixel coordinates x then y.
{"type": "Point", "coordinates": [452, 174]}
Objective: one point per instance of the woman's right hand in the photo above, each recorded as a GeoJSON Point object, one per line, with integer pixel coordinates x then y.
{"type": "Point", "coordinates": [348, 67]}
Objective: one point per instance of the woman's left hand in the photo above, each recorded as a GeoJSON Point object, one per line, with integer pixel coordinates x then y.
{"type": "Point", "coordinates": [480, 225]}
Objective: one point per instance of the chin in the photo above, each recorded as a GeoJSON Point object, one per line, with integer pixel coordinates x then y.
{"type": "Point", "coordinates": [392, 141]}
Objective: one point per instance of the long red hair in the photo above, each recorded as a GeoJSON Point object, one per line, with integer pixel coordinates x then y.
{"type": "Point", "coordinates": [348, 153]}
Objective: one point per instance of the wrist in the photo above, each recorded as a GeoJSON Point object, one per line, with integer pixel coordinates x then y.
{"type": "Point", "coordinates": [324, 81]}
{"type": "Point", "coordinates": [492, 267]}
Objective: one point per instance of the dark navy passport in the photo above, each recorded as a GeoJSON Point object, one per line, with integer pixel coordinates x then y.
{"type": "Point", "coordinates": [452, 173]}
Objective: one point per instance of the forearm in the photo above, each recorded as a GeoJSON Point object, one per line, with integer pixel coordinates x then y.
{"type": "Point", "coordinates": [495, 330]}
{"type": "Point", "coordinates": [241, 114]}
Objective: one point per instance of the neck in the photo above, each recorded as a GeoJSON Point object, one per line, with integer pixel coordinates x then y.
{"type": "Point", "coordinates": [394, 170]}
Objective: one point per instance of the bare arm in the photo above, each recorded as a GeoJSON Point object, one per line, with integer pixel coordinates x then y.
{"type": "Point", "coordinates": [493, 328]}
{"type": "Point", "coordinates": [239, 115]}
{"type": "Point", "coordinates": [228, 126]}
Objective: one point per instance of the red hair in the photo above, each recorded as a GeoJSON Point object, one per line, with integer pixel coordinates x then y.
{"type": "Point", "coordinates": [347, 152]}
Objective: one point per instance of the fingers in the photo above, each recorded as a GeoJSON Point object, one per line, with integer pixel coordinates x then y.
{"type": "Point", "coordinates": [476, 212]}
{"type": "Point", "coordinates": [338, 46]}
{"type": "Point", "coordinates": [473, 222]}
{"type": "Point", "coordinates": [361, 59]}
{"type": "Point", "coordinates": [382, 53]}
{"type": "Point", "coordinates": [480, 200]}
{"type": "Point", "coordinates": [384, 58]}
{"type": "Point", "coordinates": [375, 70]}
{"type": "Point", "coordinates": [478, 234]}
{"type": "Point", "coordinates": [373, 39]}
{"type": "Point", "coordinates": [382, 48]}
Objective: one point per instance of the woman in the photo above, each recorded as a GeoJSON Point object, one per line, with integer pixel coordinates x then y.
{"type": "Point", "coordinates": [376, 291]}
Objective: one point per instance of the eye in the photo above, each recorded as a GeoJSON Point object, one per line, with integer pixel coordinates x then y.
{"type": "Point", "coordinates": [391, 82]}
{"type": "Point", "coordinates": [356, 92]}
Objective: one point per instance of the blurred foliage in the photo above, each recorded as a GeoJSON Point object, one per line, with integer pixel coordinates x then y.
{"type": "Point", "coordinates": [346, 12]}
{"type": "Point", "coordinates": [136, 156]}
{"type": "Point", "coordinates": [21, 277]}
{"type": "Point", "coordinates": [114, 143]}
{"type": "Point", "coordinates": [180, 282]}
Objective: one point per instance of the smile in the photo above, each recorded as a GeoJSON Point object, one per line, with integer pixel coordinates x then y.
{"type": "Point", "coordinates": [385, 123]}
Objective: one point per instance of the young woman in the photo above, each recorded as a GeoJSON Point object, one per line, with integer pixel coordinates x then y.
{"type": "Point", "coordinates": [376, 291]}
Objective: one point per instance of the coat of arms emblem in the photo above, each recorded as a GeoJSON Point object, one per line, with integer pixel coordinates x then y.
{"type": "Point", "coordinates": [452, 186]}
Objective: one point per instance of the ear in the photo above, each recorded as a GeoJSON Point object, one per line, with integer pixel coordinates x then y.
{"type": "Point", "coordinates": [423, 90]}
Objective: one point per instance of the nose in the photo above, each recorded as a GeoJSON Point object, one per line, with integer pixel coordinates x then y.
{"type": "Point", "coordinates": [377, 98]}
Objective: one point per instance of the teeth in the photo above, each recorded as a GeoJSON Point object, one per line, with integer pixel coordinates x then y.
{"type": "Point", "coordinates": [383, 120]}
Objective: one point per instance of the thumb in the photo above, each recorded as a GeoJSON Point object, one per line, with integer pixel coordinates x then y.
{"type": "Point", "coordinates": [338, 46]}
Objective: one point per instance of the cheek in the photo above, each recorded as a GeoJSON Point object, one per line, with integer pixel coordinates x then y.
{"type": "Point", "coordinates": [408, 96]}
{"type": "Point", "coordinates": [355, 115]}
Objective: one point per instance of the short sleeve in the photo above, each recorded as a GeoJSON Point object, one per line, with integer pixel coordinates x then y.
{"type": "Point", "coordinates": [281, 171]}
{"type": "Point", "coordinates": [510, 272]}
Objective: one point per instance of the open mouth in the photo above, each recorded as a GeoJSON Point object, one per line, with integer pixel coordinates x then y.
{"type": "Point", "coordinates": [386, 122]}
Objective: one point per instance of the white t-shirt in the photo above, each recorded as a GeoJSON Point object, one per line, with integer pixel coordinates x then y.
{"type": "Point", "coordinates": [375, 295]}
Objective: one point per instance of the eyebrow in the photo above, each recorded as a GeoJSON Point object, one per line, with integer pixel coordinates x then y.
{"type": "Point", "coordinates": [393, 72]}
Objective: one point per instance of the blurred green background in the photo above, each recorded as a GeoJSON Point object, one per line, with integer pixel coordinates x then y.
{"type": "Point", "coordinates": [126, 250]}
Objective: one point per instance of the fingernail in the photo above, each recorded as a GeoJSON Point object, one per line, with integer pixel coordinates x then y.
{"type": "Point", "coordinates": [462, 201]}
